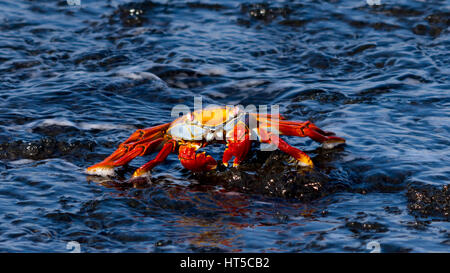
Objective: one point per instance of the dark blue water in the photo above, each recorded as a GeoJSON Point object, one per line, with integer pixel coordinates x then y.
{"type": "Point", "coordinates": [78, 80]}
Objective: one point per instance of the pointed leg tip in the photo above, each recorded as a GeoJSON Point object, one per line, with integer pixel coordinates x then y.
{"type": "Point", "coordinates": [140, 180]}
{"type": "Point", "coordinates": [101, 171]}
{"type": "Point", "coordinates": [141, 173]}
{"type": "Point", "coordinates": [302, 162]}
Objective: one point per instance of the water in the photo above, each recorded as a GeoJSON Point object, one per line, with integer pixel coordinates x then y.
{"type": "Point", "coordinates": [78, 80]}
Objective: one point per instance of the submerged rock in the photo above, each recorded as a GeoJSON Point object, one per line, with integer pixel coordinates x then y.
{"type": "Point", "coordinates": [46, 147]}
{"type": "Point", "coordinates": [271, 174]}
{"type": "Point", "coordinates": [429, 201]}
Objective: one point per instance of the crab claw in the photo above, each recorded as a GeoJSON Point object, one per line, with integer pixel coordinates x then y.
{"type": "Point", "coordinates": [193, 161]}
{"type": "Point", "coordinates": [238, 149]}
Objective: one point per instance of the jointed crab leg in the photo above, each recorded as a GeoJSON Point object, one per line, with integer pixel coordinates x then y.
{"type": "Point", "coordinates": [302, 158]}
{"type": "Point", "coordinates": [147, 133]}
{"type": "Point", "coordinates": [168, 148]}
{"type": "Point", "coordinates": [139, 148]}
{"type": "Point", "coordinates": [309, 129]}
{"type": "Point", "coordinates": [137, 144]}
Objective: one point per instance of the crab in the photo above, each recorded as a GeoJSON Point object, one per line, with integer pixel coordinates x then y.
{"type": "Point", "coordinates": [227, 125]}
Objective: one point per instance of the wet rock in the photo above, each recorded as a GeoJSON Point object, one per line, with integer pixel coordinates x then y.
{"type": "Point", "coordinates": [421, 29]}
{"type": "Point", "coordinates": [439, 18]}
{"type": "Point", "coordinates": [429, 201]}
{"type": "Point", "coordinates": [133, 14]}
{"type": "Point", "coordinates": [379, 181]}
{"type": "Point", "coordinates": [61, 216]}
{"type": "Point", "coordinates": [161, 243]}
{"type": "Point", "coordinates": [56, 130]}
{"type": "Point", "coordinates": [22, 65]}
{"type": "Point", "coordinates": [358, 227]}
{"type": "Point", "coordinates": [418, 225]}
{"type": "Point", "coordinates": [379, 90]}
{"type": "Point", "coordinates": [44, 148]}
{"type": "Point", "coordinates": [272, 175]}
{"type": "Point", "coordinates": [320, 95]}
{"type": "Point", "coordinates": [393, 210]}
{"type": "Point", "coordinates": [433, 25]}
{"type": "Point", "coordinates": [182, 77]}
{"type": "Point", "coordinates": [263, 11]}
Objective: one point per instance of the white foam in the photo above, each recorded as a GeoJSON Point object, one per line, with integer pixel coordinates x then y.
{"type": "Point", "coordinates": [215, 71]}
{"type": "Point", "coordinates": [103, 126]}
{"type": "Point", "coordinates": [302, 164]}
{"type": "Point", "coordinates": [331, 145]}
{"type": "Point", "coordinates": [249, 83]}
{"type": "Point", "coordinates": [58, 122]}
{"type": "Point", "coordinates": [21, 162]}
{"type": "Point", "coordinates": [79, 125]}
{"type": "Point", "coordinates": [138, 75]}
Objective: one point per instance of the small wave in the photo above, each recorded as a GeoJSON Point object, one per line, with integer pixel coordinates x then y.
{"type": "Point", "coordinates": [21, 162]}
{"type": "Point", "coordinates": [79, 125]}
{"type": "Point", "coordinates": [103, 126]}
{"type": "Point", "coordinates": [215, 71]}
{"type": "Point", "coordinates": [138, 75]}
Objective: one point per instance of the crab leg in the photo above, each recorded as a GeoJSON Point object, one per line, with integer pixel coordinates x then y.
{"type": "Point", "coordinates": [128, 152]}
{"type": "Point", "coordinates": [137, 144]}
{"type": "Point", "coordinates": [238, 145]}
{"type": "Point", "coordinates": [138, 148]}
{"type": "Point", "coordinates": [309, 129]}
{"type": "Point", "coordinates": [148, 132]}
{"type": "Point", "coordinates": [196, 162]}
{"type": "Point", "coordinates": [302, 158]}
{"type": "Point", "coordinates": [168, 148]}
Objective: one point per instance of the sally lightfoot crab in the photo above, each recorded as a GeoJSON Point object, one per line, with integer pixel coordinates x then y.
{"type": "Point", "coordinates": [228, 125]}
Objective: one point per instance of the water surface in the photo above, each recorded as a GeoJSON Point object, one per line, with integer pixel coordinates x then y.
{"type": "Point", "coordinates": [78, 80]}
